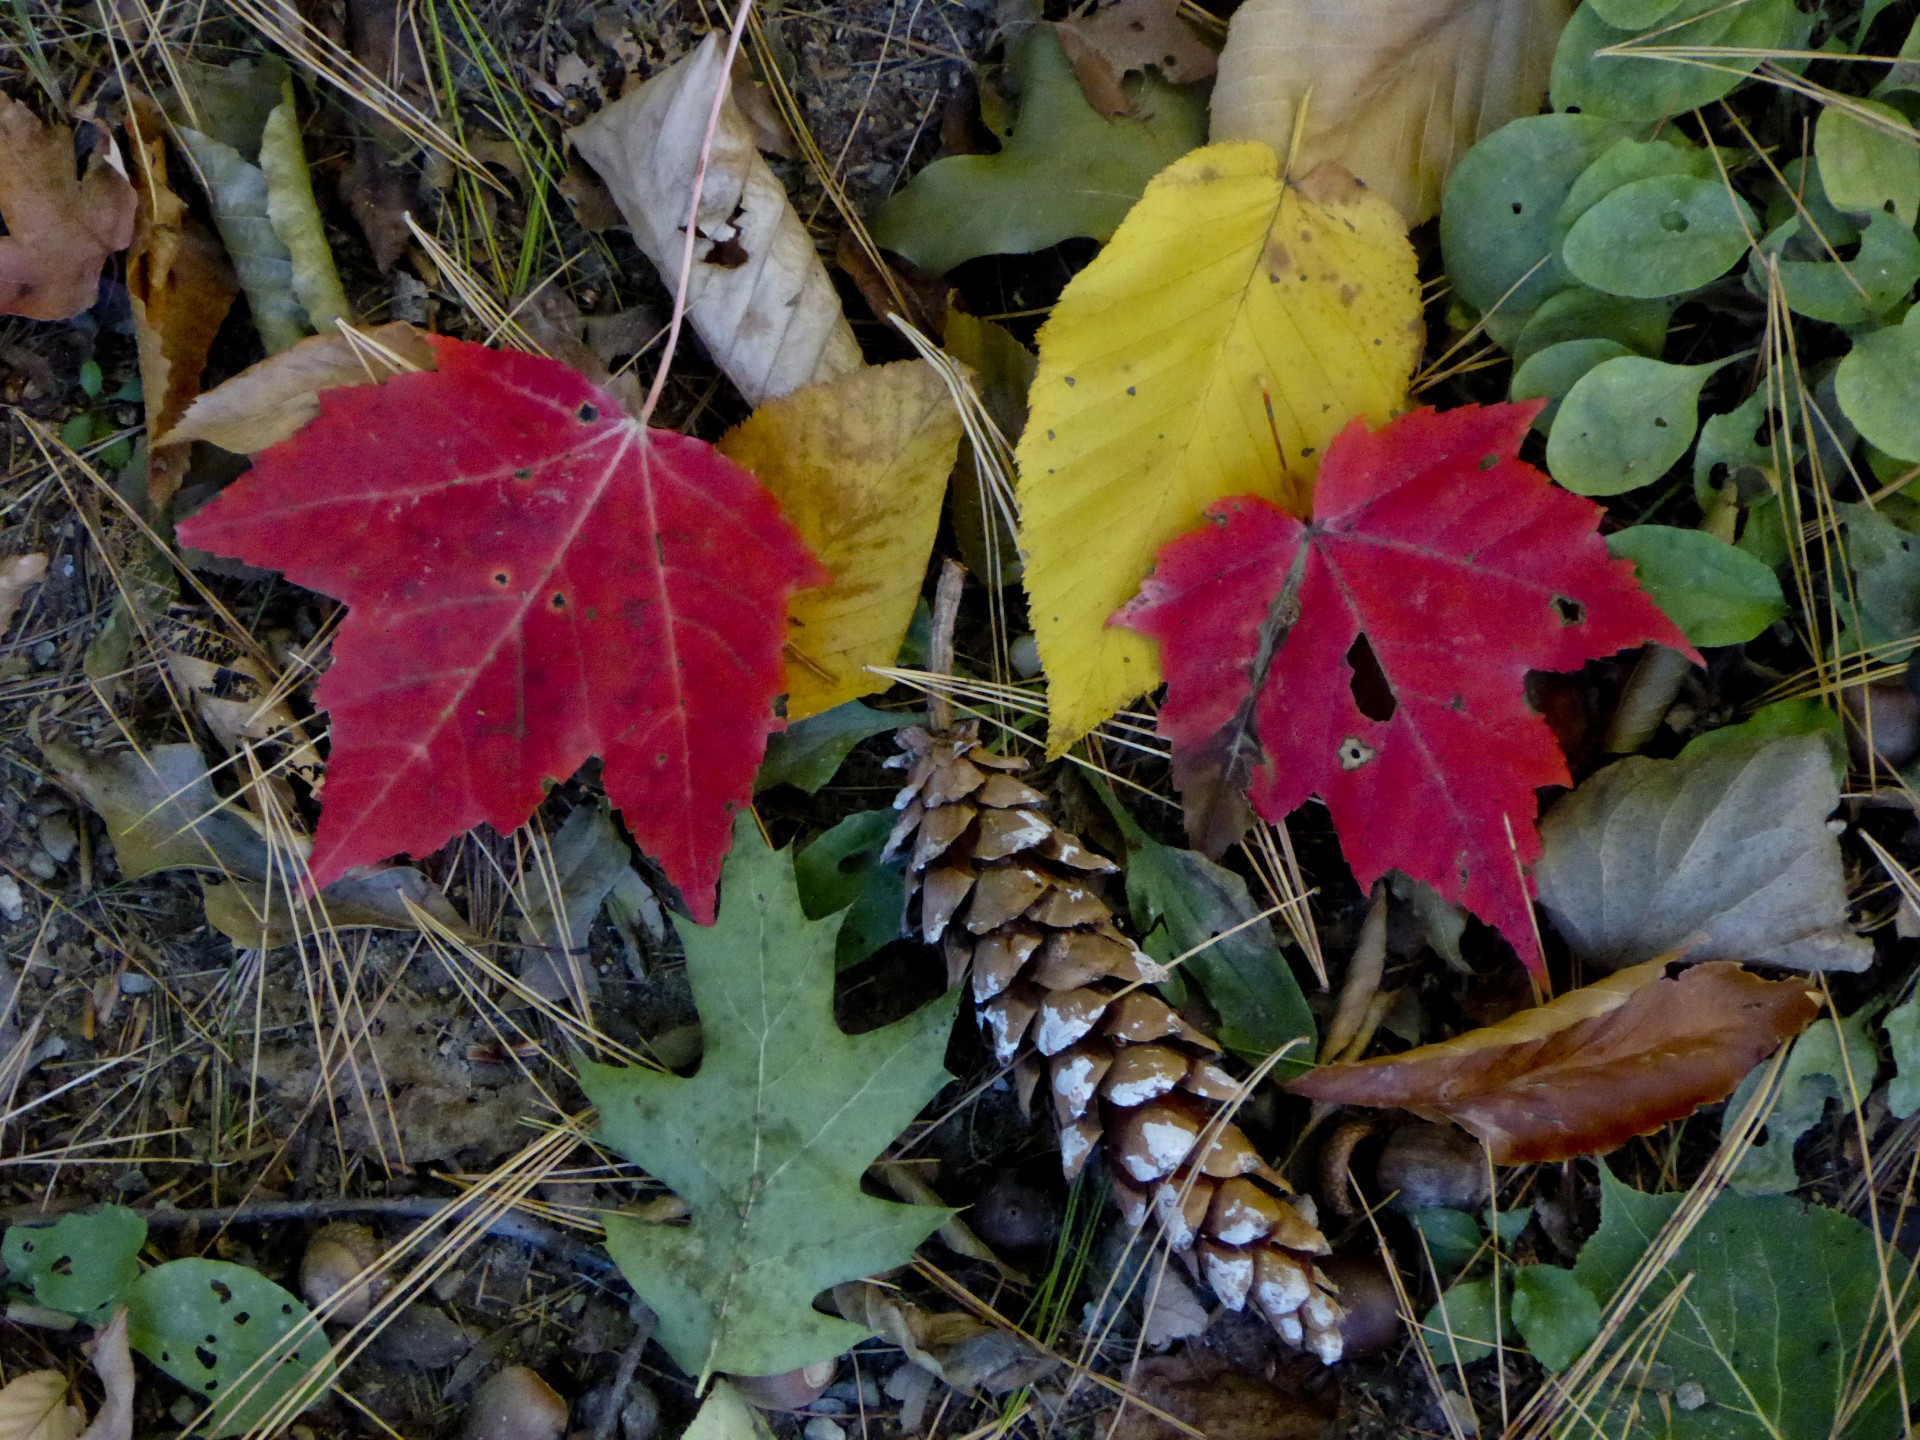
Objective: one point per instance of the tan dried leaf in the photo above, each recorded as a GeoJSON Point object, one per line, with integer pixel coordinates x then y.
{"type": "Point", "coordinates": [113, 1363]}
{"type": "Point", "coordinates": [1590, 1070]}
{"type": "Point", "coordinates": [1106, 45]}
{"type": "Point", "coordinates": [266, 403]}
{"type": "Point", "coordinates": [758, 295]}
{"type": "Point", "coordinates": [18, 575]}
{"type": "Point", "coordinates": [1396, 92]}
{"type": "Point", "coordinates": [59, 230]}
{"type": "Point", "coordinates": [34, 1407]}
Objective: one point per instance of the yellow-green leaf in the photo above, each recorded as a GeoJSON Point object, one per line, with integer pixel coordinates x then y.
{"type": "Point", "coordinates": [1234, 325]}
{"type": "Point", "coordinates": [859, 465]}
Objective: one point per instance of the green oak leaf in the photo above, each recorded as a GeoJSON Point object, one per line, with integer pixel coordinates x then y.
{"type": "Point", "coordinates": [767, 1142]}
{"type": "Point", "coordinates": [1065, 171]}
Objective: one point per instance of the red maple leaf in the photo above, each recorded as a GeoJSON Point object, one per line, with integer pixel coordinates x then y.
{"type": "Point", "coordinates": [531, 578]}
{"type": "Point", "coordinates": [1378, 654]}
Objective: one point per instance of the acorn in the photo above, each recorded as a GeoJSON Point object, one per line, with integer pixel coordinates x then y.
{"type": "Point", "coordinates": [515, 1404]}
{"type": "Point", "coordinates": [1883, 723]}
{"type": "Point", "coordinates": [790, 1389]}
{"type": "Point", "coordinates": [1370, 1309]}
{"type": "Point", "coordinates": [1426, 1165]}
{"type": "Point", "coordinates": [336, 1263]}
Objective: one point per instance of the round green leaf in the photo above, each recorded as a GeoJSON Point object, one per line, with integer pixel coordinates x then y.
{"type": "Point", "coordinates": [82, 1263]}
{"type": "Point", "coordinates": [1878, 385]}
{"type": "Point", "coordinates": [1866, 165]}
{"type": "Point", "coordinates": [1716, 594]}
{"type": "Point", "coordinates": [1496, 225]}
{"type": "Point", "coordinates": [1624, 424]}
{"type": "Point", "coordinates": [1846, 292]}
{"type": "Point", "coordinates": [237, 1340]}
{"type": "Point", "coordinates": [1552, 373]}
{"type": "Point", "coordinates": [1460, 1326]}
{"type": "Point", "coordinates": [1798, 195]}
{"type": "Point", "coordinates": [1661, 236]}
{"type": "Point", "coordinates": [1555, 1314]}
{"type": "Point", "coordinates": [1583, 314]}
{"type": "Point", "coordinates": [1651, 88]}
{"type": "Point", "coordinates": [1624, 162]}
{"type": "Point", "coordinates": [1634, 14]}
{"type": "Point", "coordinates": [1730, 447]}
{"type": "Point", "coordinates": [1453, 1237]}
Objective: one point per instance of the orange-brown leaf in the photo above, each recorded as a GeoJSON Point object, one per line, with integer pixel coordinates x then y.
{"type": "Point", "coordinates": [59, 229]}
{"type": "Point", "coordinates": [1592, 1069]}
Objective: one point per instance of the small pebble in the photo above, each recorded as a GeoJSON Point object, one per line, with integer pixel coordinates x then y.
{"type": "Point", "coordinates": [58, 837]}
{"type": "Point", "coordinates": [42, 865]}
{"type": "Point", "coordinates": [44, 654]}
{"type": "Point", "coordinates": [864, 1391]}
{"type": "Point", "coordinates": [1025, 655]}
{"type": "Point", "coordinates": [12, 903]}
{"type": "Point", "coordinates": [821, 1428]}
{"type": "Point", "coordinates": [1690, 1395]}
{"type": "Point", "coordinates": [132, 982]}
{"type": "Point", "coordinates": [640, 1416]}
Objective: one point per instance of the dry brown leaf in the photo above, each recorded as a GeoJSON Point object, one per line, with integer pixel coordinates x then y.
{"type": "Point", "coordinates": [1591, 1070]}
{"type": "Point", "coordinates": [1106, 45]}
{"type": "Point", "coordinates": [113, 1363]}
{"type": "Point", "coordinates": [18, 575]}
{"type": "Point", "coordinates": [180, 286]}
{"type": "Point", "coordinates": [758, 296]}
{"type": "Point", "coordinates": [59, 230]}
{"type": "Point", "coordinates": [1396, 92]}
{"type": "Point", "coordinates": [266, 403]}
{"type": "Point", "coordinates": [34, 1407]}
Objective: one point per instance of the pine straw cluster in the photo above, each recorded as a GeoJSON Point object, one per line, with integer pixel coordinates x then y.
{"type": "Point", "coordinates": [1017, 903]}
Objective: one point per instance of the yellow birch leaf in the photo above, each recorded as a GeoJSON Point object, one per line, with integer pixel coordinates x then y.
{"type": "Point", "coordinates": [1235, 323]}
{"type": "Point", "coordinates": [859, 465]}
{"type": "Point", "coordinates": [34, 1407]}
{"type": "Point", "coordinates": [1395, 90]}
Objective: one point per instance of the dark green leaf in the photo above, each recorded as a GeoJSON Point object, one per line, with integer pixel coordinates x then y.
{"type": "Point", "coordinates": [82, 1264]}
{"type": "Point", "coordinates": [1555, 1314]}
{"type": "Point", "coordinates": [842, 870]}
{"type": "Point", "coordinates": [810, 752]}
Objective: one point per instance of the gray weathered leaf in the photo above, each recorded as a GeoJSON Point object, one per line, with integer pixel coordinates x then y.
{"type": "Point", "coordinates": [1721, 856]}
{"type": "Point", "coordinates": [758, 295]}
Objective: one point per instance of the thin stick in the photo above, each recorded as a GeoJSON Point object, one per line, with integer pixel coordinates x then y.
{"type": "Point", "coordinates": [946, 610]}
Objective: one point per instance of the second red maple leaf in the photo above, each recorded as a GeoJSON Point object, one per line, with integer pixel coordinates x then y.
{"type": "Point", "coordinates": [531, 578]}
{"type": "Point", "coordinates": [1377, 655]}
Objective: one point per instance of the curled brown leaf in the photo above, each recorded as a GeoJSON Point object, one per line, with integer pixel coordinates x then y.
{"type": "Point", "coordinates": [1591, 1070]}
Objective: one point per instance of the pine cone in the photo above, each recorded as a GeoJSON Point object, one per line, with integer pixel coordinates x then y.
{"type": "Point", "coordinates": [1017, 903]}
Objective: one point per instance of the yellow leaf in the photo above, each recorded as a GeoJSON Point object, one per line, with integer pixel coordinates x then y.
{"type": "Point", "coordinates": [34, 1407]}
{"type": "Point", "coordinates": [859, 465]}
{"type": "Point", "coordinates": [1231, 328]}
{"type": "Point", "coordinates": [1395, 92]}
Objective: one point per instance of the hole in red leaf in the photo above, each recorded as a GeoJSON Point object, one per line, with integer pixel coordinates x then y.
{"type": "Point", "coordinates": [1571, 612]}
{"type": "Point", "coordinates": [559, 601]}
{"type": "Point", "coordinates": [500, 577]}
{"type": "Point", "coordinates": [1487, 462]}
{"type": "Point", "coordinates": [588, 413]}
{"type": "Point", "coordinates": [1372, 693]}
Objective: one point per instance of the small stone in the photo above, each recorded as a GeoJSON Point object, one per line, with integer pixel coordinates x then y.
{"type": "Point", "coordinates": [42, 865]}
{"type": "Point", "coordinates": [423, 1337]}
{"type": "Point", "coordinates": [58, 837]}
{"type": "Point", "coordinates": [12, 903]}
{"type": "Point", "coordinates": [132, 982]}
{"type": "Point", "coordinates": [1460, 1410]}
{"type": "Point", "coordinates": [1690, 1395]}
{"type": "Point", "coordinates": [44, 654]}
{"type": "Point", "coordinates": [864, 1391]}
{"type": "Point", "coordinates": [640, 1416]}
{"type": "Point", "coordinates": [1025, 655]}
{"type": "Point", "coordinates": [821, 1428]}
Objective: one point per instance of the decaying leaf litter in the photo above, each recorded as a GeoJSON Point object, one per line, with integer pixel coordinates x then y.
{"type": "Point", "coordinates": [507, 777]}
